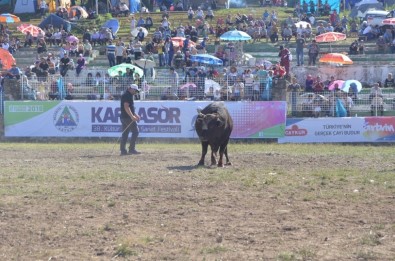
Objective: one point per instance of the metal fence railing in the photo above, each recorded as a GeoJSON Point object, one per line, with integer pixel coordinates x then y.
{"type": "Point", "coordinates": [96, 85]}
{"type": "Point", "coordinates": [338, 104]}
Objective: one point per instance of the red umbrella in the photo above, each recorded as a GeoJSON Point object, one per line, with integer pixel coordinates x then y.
{"type": "Point", "coordinates": [6, 59]}
{"type": "Point", "coordinates": [336, 58]}
{"type": "Point", "coordinates": [330, 37]}
{"type": "Point", "coordinates": [390, 21]}
{"type": "Point", "coordinates": [179, 42]}
{"type": "Point", "coordinates": [34, 30]}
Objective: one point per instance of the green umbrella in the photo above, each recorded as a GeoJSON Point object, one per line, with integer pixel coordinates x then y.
{"type": "Point", "coordinates": [113, 71]}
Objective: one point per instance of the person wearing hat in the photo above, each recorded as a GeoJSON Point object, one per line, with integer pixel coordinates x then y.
{"type": "Point", "coordinates": [129, 120]}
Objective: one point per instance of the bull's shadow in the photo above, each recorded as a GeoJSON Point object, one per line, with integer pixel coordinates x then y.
{"type": "Point", "coordinates": [183, 168]}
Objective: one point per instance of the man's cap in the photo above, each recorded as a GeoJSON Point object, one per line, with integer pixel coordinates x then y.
{"type": "Point", "coordinates": [134, 87]}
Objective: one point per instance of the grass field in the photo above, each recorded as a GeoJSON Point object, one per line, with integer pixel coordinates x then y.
{"type": "Point", "coordinates": [81, 201]}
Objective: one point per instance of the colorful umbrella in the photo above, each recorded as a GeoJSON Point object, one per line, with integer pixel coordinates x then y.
{"type": "Point", "coordinates": [73, 11]}
{"type": "Point", "coordinates": [333, 85]}
{"type": "Point", "coordinates": [389, 21]}
{"type": "Point", "coordinates": [114, 71]}
{"type": "Point", "coordinates": [188, 85]}
{"type": "Point", "coordinates": [136, 30]}
{"type": "Point", "coordinates": [330, 37]}
{"type": "Point", "coordinates": [9, 18]}
{"type": "Point", "coordinates": [206, 59]}
{"type": "Point", "coordinates": [32, 29]}
{"type": "Point", "coordinates": [336, 58]}
{"type": "Point", "coordinates": [354, 85]}
{"type": "Point", "coordinates": [179, 42]}
{"type": "Point", "coordinates": [72, 39]}
{"type": "Point", "coordinates": [144, 63]}
{"type": "Point", "coordinates": [235, 35]}
{"type": "Point", "coordinates": [6, 59]}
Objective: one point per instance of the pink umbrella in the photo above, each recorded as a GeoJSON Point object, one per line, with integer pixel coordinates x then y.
{"type": "Point", "coordinates": [72, 39]}
{"type": "Point", "coordinates": [339, 84]}
{"type": "Point", "coordinates": [32, 29]}
{"type": "Point", "coordinates": [390, 21]}
{"type": "Point", "coordinates": [188, 85]}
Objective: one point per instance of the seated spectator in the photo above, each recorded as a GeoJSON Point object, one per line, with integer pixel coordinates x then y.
{"type": "Point", "coordinates": [381, 44]}
{"type": "Point", "coordinates": [87, 49]}
{"type": "Point", "coordinates": [148, 23]}
{"type": "Point", "coordinates": [14, 72]}
{"type": "Point", "coordinates": [388, 36]}
{"type": "Point", "coordinates": [64, 64]}
{"type": "Point", "coordinates": [191, 13]}
{"type": "Point", "coordinates": [69, 91]}
{"type": "Point", "coordinates": [368, 33]}
{"type": "Point", "coordinates": [389, 82]}
{"type": "Point", "coordinates": [210, 14]}
{"type": "Point", "coordinates": [307, 105]}
{"type": "Point", "coordinates": [41, 46]}
{"type": "Point", "coordinates": [286, 34]}
{"type": "Point", "coordinates": [80, 64]}
{"type": "Point", "coordinates": [199, 14]}
{"type": "Point", "coordinates": [354, 47]}
{"type": "Point", "coordinates": [375, 91]}
{"type": "Point", "coordinates": [318, 86]}
{"type": "Point", "coordinates": [140, 22]}
{"type": "Point", "coordinates": [124, 9]}
{"type": "Point", "coordinates": [309, 83]}
{"type": "Point", "coordinates": [320, 29]}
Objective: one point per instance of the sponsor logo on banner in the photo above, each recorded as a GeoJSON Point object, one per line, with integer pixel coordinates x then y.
{"type": "Point", "coordinates": [295, 131]}
{"type": "Point", "coordinates": [66, 118]}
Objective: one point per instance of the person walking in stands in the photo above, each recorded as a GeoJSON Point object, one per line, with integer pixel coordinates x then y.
{"type": "Point", "coordinates": [110, 51]}
{"type": "Point", "coordinates": [129, 120]}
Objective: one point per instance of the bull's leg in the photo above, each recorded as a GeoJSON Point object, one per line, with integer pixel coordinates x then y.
{"type": "Point", "coordinates": [223, 149]}
{"type": "Point", "coordinates": [214, 155]}
{"type": "Point", "coordinates": [204, 152]}
{"type": "Point", "coordinates": [226, 156]}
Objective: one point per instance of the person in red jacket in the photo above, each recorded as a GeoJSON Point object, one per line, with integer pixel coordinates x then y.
{"type": "Point", "coordinates": [284, 55]}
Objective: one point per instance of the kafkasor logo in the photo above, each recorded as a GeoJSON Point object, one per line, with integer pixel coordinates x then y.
{"type": "Point", "coordinates": [66, 118]}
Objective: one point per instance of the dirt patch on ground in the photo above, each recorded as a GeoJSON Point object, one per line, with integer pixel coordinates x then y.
{"type": "Point", "coordinates": [81, 203]}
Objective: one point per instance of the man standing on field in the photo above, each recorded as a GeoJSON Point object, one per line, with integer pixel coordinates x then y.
{"type": "Point", "coordinates": [129, 120]}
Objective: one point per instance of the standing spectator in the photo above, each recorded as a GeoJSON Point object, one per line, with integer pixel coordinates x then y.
{"type": "Point", "coordinates": [129, 120]}
{"type": "Point", "coordinates": [119, 50]}
{"type": "Point", "coordinates": [191, 13]}
{"type": "Point", "coordinates": [313, 51]}
{"type": "Point", "coordinates": [161, 54]}
{"type": "Point", "coordinates": [43, 7]}
{"type": "Point", "coordinates": [110, 51]}
{"type": "Point", "coordinates": [300, 43]}
{"type": "Point", "coordinates": [173, 77]}
{"type": "Point", "coordinates": [133, 23]}
{"type": "Point", "coordinates": [294, 89]}
{"type": "Point", "coordinates": [284, 55]}
{"type": "Point", "coordinates": [201, 78]}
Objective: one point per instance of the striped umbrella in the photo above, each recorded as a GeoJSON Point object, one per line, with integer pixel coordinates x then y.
{"type": "Point", "coordinates": [206, 59]}
{"type": "Point", "coordinates": [34, 30]}
{"type": "Point", "coordinates": [336, 58]}
{"type": "Point", "coordinates": [9, 18]}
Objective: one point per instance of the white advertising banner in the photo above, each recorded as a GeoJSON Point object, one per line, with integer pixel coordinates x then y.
{"type": "Point", "coordinates": [159, 119]}
{"type": "Point", "coordinates": [326, 130]}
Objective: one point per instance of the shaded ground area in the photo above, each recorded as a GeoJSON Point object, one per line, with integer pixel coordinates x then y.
{"type": "Point", "coordinates": [277, 202]}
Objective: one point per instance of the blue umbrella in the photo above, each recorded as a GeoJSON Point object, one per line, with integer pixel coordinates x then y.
{"type": "Point", "coordinates": [235, 35]}
{"type": "Point", "coordinates": [354, 85]}
{"type": "Point", "coordinates": [207, 59]}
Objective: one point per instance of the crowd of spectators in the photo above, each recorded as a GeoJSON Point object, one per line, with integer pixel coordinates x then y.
{"type": "Point", "coordinates": [236, 84]}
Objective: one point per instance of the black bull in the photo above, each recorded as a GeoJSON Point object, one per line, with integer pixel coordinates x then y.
{"type": "Point", "coordinates": [214, 126]}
